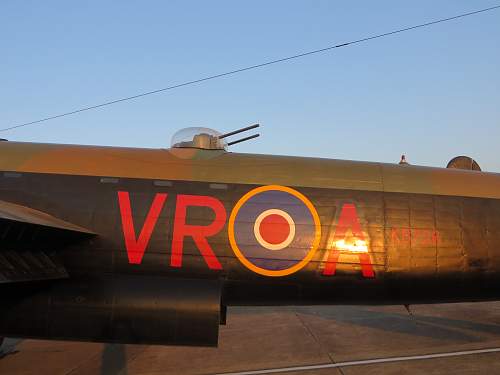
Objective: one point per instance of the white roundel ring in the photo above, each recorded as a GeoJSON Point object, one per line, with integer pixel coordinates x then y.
{"type": "Point", "coordinates": [274, 246]}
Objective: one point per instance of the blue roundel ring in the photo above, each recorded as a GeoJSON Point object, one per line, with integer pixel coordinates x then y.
{"type": "Point", "coordinates": [274, 230]}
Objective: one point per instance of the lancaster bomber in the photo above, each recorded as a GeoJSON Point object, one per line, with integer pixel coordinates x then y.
{"type": "Point", "coordinates": [150, 246]}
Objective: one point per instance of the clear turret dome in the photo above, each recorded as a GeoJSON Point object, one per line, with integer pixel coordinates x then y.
{"type": "Point", "coordinates": [196, 137]}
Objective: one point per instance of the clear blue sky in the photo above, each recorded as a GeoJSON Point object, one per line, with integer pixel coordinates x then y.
{"type": "Point", "coordinates": [432, 93]}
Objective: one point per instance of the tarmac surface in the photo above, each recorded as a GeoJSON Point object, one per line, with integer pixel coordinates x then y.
{"type": "Point", "coordinates": [341, 340]}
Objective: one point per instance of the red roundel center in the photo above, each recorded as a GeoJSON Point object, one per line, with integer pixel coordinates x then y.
{"type": "Point", "coordinates": [274, 229]}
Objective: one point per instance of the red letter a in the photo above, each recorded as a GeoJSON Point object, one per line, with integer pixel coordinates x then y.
{"type": "Point", "coordinates": [198, 232]}
{"type": "Point", "coordinates": [348, 219]}
{"type": "Point", "coordinates": [136, 248]}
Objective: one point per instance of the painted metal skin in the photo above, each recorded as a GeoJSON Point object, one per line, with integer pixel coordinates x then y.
{"type": "Point", "coordinates": [364, 233]}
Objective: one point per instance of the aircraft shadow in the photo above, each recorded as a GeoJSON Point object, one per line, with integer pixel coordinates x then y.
{"type": "Point", "coordinates": [418, 325]}
{"type": "Point", "coordinates": [9, 347]}
{"type": "Point", "coordinates": [114, 360]}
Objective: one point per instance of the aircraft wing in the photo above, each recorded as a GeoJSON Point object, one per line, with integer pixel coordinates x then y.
{"type": "Point", "coordinates": [29, 240]}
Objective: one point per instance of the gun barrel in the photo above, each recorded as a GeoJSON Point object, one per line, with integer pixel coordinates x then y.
{"type": "Point", "coordinates": [243, 139]}
{"type": "Point", "coordinates": [239, 131]}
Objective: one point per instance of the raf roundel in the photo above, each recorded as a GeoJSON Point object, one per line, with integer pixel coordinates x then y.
{"type": "Point", "coordinates": [274, 230]}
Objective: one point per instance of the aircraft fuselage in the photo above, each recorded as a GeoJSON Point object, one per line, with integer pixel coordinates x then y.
{"type": "Point", "coordinates": [248, 230]}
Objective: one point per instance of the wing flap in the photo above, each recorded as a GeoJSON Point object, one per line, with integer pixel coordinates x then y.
{"type": "Point", "coordinates": [29, 241]}
{"type": "Point", "coordinates": [22, 266]}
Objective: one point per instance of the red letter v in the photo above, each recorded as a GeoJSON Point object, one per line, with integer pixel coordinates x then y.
{"type": "Point", "coordinates": [136, 248]}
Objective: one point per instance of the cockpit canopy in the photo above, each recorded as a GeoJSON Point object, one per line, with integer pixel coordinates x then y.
{"type": "Point", "coordinates": [196, 137]}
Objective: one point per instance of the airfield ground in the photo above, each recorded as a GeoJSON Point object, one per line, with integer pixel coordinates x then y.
{"type": "Point", "coordinates": [267, 339]}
